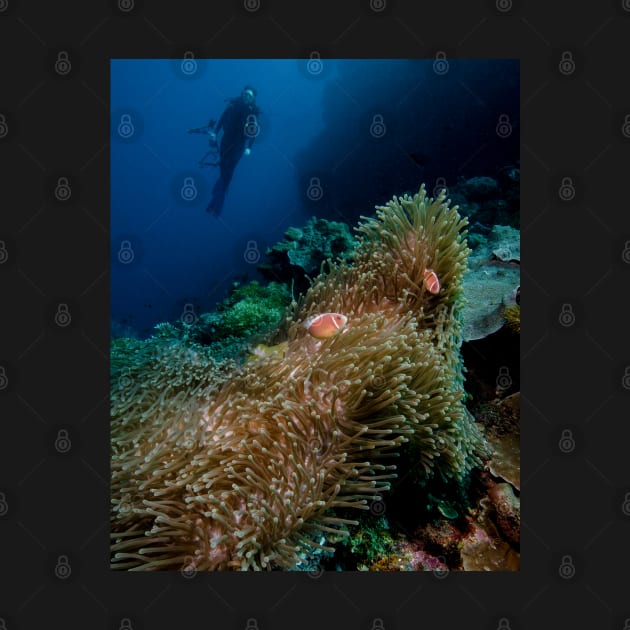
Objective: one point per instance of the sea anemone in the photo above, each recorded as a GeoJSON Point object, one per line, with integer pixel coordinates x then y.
{"type": "Point", "coordinates": [512, 316]}
{"type": "Point", "coordinates": [246, 471]}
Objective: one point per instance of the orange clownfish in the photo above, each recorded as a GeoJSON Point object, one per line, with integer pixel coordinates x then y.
{"type": "Point", "coordinates": [431, 281]}
{"type": "Point", "coordinates": [326, 325]}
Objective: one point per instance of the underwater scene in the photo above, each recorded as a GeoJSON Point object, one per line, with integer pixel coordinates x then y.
{"type": "Point", "coordinates": [315, 315]}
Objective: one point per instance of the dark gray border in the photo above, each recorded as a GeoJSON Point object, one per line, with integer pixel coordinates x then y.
{"type": "Point", "coordinates": [575, 355]}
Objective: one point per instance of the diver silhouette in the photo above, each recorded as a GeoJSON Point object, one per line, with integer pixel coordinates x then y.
{"type": "Point", "coordinates": [239, 125]}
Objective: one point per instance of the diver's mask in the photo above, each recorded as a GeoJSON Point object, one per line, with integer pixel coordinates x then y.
{"type": "Point", "coordinates": [248, 96]}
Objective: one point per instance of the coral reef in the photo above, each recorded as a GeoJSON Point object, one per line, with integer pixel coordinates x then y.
{"type": "Point", "coordinates": [505, 242]}
{"type": "Point", "coordinates": [502, 421]}
{"type": "Point", "coordinates": [304, 250]}
{"type": "Point", "coordinates": [489, 201]}
{"type": "Point", "coordinates": [487, 289]}
{"type": "Point", "coordinates": [508, 511]}
{"type": "Point", "coordinates": [480, 188]}
{"type": "Point", "coordinates": [248, 471]}
{"type": "Point", "coordinates": [250, 310]}
{"type": "Point", "coordinates": [483, 549]}
{"type": "Point", "coordinates": [491, 282]}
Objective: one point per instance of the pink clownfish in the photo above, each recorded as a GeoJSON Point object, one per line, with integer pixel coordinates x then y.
{"type": "Point", "coordinates": [431, 281]}
{"type": "Point", "coordinates": [326, 325]}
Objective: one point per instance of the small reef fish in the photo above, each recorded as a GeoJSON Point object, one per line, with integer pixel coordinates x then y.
{"type": "Point", "coordinates": [431, 281]}
{"type": "Point", "coordinates": [263, 351]}
{"type": "Point", "coordinates": [325, 325]}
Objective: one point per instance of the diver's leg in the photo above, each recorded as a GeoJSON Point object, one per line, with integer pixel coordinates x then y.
{"type": "Point", "coordinates": [219, 190]}
{"type": "Point", "coordinates": [221, 187]}
{"type": "Point", "coordinates": [218, 197]}
{"type": "Point", "coordinates": [230, 155]}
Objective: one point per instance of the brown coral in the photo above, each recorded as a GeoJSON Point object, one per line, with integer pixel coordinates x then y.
{"type": "Point", "coordinates": [245, 477]}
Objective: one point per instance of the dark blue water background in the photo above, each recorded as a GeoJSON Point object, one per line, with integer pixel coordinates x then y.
{"type": "Point", "coordinates": [312, 125]}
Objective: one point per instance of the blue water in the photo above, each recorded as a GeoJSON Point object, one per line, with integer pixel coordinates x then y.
{"type": "Point", "coordinates": [168, 254]}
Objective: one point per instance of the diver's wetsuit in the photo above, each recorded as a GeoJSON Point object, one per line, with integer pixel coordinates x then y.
{"type": "Point", "coordinates": [234, 141]}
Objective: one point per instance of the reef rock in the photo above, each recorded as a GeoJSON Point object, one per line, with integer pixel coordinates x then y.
{"type": "Point", "coordinates": [487, 290]}
{"type": "Point", "coordinates": [505, 242]}
{"type": "Point", "coordinates": [305, 249]}
{"type": "Point", "coordinates": [508, 511]}
{"type": "Point", "coordinates": [505, 437]}
{"type": "Point", "coordinates": [483, 549]}
{"type": "Point", "coordinates": [479, 188]}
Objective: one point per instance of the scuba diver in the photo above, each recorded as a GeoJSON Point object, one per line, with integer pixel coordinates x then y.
{"type": "Point", "coordinates": [239, 124]}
